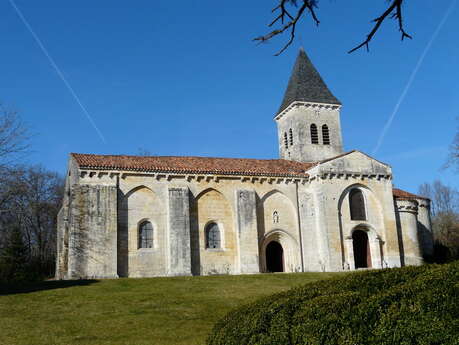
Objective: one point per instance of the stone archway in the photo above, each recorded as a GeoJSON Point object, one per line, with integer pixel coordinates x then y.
{"type": "Point", "coordinates": [274, 257]}
{"type": "Point", "coordinates": [373, 225]}
{"type": "Point", "coordinates": [279, 252]}
{"type": "Point", "coordinates": [362, 252]}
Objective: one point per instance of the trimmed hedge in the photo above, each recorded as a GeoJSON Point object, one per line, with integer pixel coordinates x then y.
{"type": "Point", "coordinates": [403, 306]}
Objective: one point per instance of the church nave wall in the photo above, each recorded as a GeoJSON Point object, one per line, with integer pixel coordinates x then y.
{"type": "Point", "coordinates": [243, 211]}
{"type": "Point", "coordinates": [139, 206]}
{"type": "Point", "coordinates": [212, 216]}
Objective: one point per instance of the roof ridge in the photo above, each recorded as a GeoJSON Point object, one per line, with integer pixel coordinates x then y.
{"type": "Point", "coordinates": [200, 157]}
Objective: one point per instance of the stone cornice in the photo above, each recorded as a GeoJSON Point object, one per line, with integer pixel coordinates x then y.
{"type": "Point", "coordinates": [405, 205]}
{"type": "Point", "coordinates": [425, 203]}
{"type": "Point", "coordinates": [347, 176]}
{"type": "Point", "coordinates": [298, 104]}
{"type": "Point", "coordinates": [86, 175]}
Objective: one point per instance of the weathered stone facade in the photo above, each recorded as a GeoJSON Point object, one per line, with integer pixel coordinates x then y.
{"type": "Point", "coordinates": [324, 209]}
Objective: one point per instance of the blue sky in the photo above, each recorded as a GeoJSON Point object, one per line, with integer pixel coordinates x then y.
{"type": "Point", "coordinates": [184, 78]}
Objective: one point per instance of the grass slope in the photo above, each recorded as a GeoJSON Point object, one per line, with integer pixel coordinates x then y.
{"type": "Point", "coordinates": [157, 311]}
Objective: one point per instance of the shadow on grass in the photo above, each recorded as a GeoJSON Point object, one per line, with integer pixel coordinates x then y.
{"type": "Point", "coordinates": [18, 288]}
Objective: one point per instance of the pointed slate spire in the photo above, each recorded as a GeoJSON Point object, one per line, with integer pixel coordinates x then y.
{"type": "Point", "coordinates": [306, 84]}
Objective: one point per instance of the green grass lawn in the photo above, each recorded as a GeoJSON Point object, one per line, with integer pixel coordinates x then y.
{"type": "Point", "coordinates": [157, 311]}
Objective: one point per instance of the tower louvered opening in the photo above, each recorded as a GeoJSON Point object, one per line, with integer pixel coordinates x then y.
{"type": "Point", "coordinates": [314, 134]}
{"type": "Point", "coordinates": [325, 135]}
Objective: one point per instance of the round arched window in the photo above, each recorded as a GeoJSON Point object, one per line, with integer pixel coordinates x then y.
{"type": "Point", "coordinates": [146, 235]}
{"type": "Point", "coordinates": [212, 236]}
{"type": "Point", "coordinates": [357, 205]}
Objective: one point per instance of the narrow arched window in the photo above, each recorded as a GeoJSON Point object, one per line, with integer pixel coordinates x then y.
{"type": "Point", "coordinates": [275, 217]}
{"type": "Point", "coordinates": [325, 135]}
{"type": "Point", "coordinates": [291, 136]}
{"type": "Point", "coordinates": [314, 134]}
{"type": "Point", "coordinates": [212, 236]}
{"type": "Point", "coordinates": [357, 205]}
{"type": "Point", "coordinates": [146, 235]}
{"type": "Point", "coordinates": [285, 140]}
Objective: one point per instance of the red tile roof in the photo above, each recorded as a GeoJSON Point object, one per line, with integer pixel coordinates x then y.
{"type": "Point", "coordinates": [401, 194]}
{"type": "Point", "coordinates": [197, 165]}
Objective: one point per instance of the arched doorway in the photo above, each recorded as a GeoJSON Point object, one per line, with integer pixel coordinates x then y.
{"type": "Point", "coordinates": [274, 257]}
{"type": "Point", "coordinates": [362, 254]}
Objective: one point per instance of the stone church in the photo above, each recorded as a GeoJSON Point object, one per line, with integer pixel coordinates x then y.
{"type": "Point", "coordinates": [316, 208]}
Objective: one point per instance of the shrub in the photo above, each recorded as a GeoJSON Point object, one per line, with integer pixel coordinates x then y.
{"type": "Point", "coordinates": [406, 306]}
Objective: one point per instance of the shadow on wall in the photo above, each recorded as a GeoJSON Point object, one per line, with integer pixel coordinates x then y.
{"type": "Point", "coordinates": [122, 242]}
{"type": "Point", "coordinates": [400, 238]}
{"type": "Point", "coordinates": [261, 231]}
{"type": "Point", "coordinates": [426, 242]}
{"type": "Point", "coordinates": [194, 238]}
{"type": "Point", "coordinates": [19, 288]}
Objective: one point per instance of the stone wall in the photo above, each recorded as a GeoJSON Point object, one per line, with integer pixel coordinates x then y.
{"type": "Point", "coordinates": [310, 232]}
{"type": "Point", "coordinates": [62, 242]}
{"type": "Point", "coordinates": [406, 213]}
{"type": "Point", "coordinates": [179, 256]}
{"type": "Point", "coordinates": [279, 222]}
{"type": "Point", "coordinates": [92, 234]}
{"type": "Point", "coordinates": [62, 235]}
{"type": "Point", "coordinates": [247, 231]}
{"type": "Point", "coordinates": [299, 118]}
{"type": "Point", "coordinates": [330, 184]}
{"type": "Point", "coordinates": [211, 206]}
{"type": "Point", "coordinates": [138, 205]}
{"type": "Point", "coordinates": [425, 228]}
{"type": "Point", "coordinates": [211, 199]}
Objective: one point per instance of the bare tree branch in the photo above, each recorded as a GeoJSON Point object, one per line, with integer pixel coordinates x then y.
{"type": "Point", "coordinates": [14, 135]}
{"type": "Point", "coordinates": [289, 19]}
{"type": "Point", "coordinates": [453, 157]}
{"type": "Point", "coordinates": [307, 4]}
{"type": "Point", "coordinates": [141, 151]}
{"type": "Point", "coordinates": [445, 216]}
{"type": "Point", "coordinates": [394, 11]}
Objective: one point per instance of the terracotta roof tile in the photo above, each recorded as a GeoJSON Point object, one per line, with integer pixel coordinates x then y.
{"type": "Point", "coordinates": [199, 165]}
{"type": "Point", "coordinates": [401, 194]}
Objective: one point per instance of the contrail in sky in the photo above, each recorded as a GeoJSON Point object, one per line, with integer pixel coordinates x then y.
{"type": "Point", "coordinates": [58, 71]}
{"type": "Point", "coordinates": [413, 75]}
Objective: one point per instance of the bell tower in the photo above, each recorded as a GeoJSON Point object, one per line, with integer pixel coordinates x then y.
{"type": "Point", "coordinates": [308, 121]}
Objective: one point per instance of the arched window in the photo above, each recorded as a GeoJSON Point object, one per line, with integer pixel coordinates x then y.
{"type": "Point", "coordinates": [146, 235]}
{"type": "Point", "coordinates": [357, 205]}
{"type": "Point", "coordinates": [275, 217]}
{"type": "Point", "coordinates": [291, 136]}
{"type": "Point", "coordinates": [285, 140]}
{"type": "Point", "coordinates": [314, 134]}
{"type": "Point", "coordinates": [212, 236]}
{"type": "Point", "coordinates": [325, 135]}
